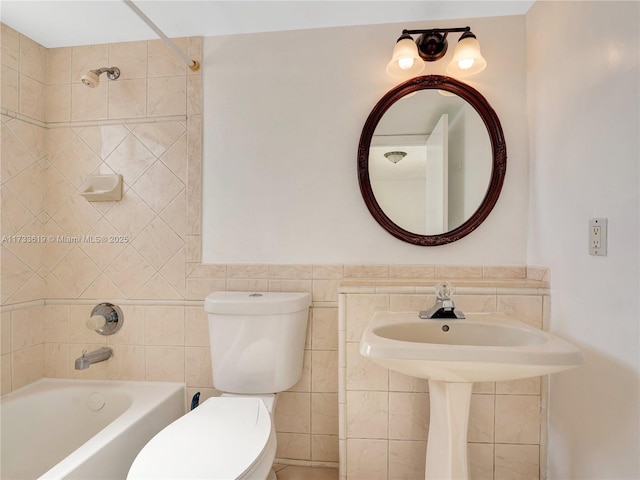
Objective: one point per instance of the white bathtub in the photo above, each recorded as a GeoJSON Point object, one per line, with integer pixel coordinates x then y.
{"type": "Point", "coordinates": [81, 429]}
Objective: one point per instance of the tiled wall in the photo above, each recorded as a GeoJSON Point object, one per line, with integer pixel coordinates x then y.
{"type": "Point", "coordinates": [147, 127]}
{"type": "Point", "coordinates": [384, 415]}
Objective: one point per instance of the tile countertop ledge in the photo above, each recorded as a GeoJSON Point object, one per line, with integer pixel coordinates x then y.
{"type": "Point", "coordinates": [425, 286]}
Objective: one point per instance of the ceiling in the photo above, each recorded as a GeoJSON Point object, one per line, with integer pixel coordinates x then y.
{"type": "Point", "coordinates": [55, 23]}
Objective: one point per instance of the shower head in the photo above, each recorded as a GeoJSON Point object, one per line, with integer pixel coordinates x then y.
{"type": "Point", "coordinates": [92, 77]}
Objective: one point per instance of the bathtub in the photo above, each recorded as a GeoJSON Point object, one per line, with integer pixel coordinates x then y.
{"type": "Point", "coordinates": [82, 429]}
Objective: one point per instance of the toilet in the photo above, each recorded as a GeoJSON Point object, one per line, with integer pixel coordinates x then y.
{"type": "Point", "coordinates": [257, 348]}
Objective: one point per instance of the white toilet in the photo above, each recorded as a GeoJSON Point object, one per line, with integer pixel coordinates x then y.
{"type": "Point", "coordinates": [257, 347]}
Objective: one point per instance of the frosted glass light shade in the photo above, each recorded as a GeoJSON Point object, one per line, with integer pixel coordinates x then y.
{"type": "Point", "coordinates": [405, 61]}
{"type": "Point", "coordinates": [467, 58]}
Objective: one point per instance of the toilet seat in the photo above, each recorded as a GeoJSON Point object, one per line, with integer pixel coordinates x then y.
{"type": "Point", "coordinates": [224, 438]}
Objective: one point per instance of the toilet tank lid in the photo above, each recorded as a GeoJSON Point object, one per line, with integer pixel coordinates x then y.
{"type": "Point", "coordinates": [256, 303]}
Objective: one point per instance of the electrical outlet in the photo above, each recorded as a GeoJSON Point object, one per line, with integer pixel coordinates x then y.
{"type": "Point", "coordinates": [598, 236]}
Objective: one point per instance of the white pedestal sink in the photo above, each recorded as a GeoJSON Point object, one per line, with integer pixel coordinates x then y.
{"type": "Point", "coordinates": [454, 353]}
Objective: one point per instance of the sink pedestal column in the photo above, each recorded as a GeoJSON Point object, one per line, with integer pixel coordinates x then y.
{"type": "Point", "coordinates": [447, 440]}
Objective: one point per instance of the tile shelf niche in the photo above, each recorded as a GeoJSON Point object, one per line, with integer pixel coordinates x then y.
{"type": "Point", "coordinates": [384, 416]}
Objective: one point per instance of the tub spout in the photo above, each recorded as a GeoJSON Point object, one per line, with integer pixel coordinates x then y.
{"type": "Point", "coordinates": [96, 356]}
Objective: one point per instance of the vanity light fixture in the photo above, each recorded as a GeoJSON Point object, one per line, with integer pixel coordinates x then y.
{"type": "Point", "coordinates": [409, 56]}
{"type": "Point", "coordinates": [395, 157]}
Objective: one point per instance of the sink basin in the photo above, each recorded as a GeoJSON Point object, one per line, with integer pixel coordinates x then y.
{"type": "Point", "coordinates": [480, 348]}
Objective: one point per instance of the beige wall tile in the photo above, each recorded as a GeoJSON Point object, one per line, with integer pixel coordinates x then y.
{"type": "Point", "coordinates": [526, 308]}
{"type": "Point", "coordinates": [517, 419]}
{"type": "Point", "coordinates": [166, 96]}
{"type": "Point", "coordinates": [404, 383]}
{"type": "Point", "coordinates": [408, 416]}
{"type": "Point", "coordinates": [89, 103]}
{"type": "Point", "coordinates": [367, 414]}
{"type": "Point", "coordinates": [293, 412]}
{"type": "Point", "coordinates": [327, 271]}
{"type": "Point", "coordinates": [362, 373]}
{"type": "Point", "coordinates": [32, 98]}
{"type": "Point", "coordinates": [196, 327]}
{"type": "Point", "coordinates": [58, 66]}
{"type": "Point", "coordinates": [10, 89]}
{"type": "Point", "coordinates": [130, 215]}
{"type": "Point", "coordinates": [127, 363]}
{"type": "Point", "coordinates": [360, 309]}
{"type": "Point", "coordinates": [411, 271]}
{"type": "Point", "coordinates": [26, 328]}
{"type": "Point", "coordinates": [526, 386]}
{"type": "Point", "coordinates": [304, 383]}
{"type": "Point", "coordinates": [480, 457]}
{"type": "Point", "coordinates": [27, 365]}
{"type": "Point", "coordinates": [506, 271]}
{"type": "Point", "coordinates": [127, 98]}
{"type": "Point", "coordinates": [130, 159]}
{"type": "Point", "coordinates": [6, 372]}
{"type": "Point", "coordinates": [450, 272]}
{"type": "Point", "coordinates": [10, 47]}
{"type": "Point", "coordinates": [163, 61]}
{"type": "Point", "coordinates": [103, 139]}
{"type": "Point", "coordinates": [481, 419]}
{"type": "Point", "coordinates": [294, 446]}
{"type": "Point", "coordinates": [516, 461]}
{"type": "Point", "coordinates": [324, 448]}
{"type": "Point", "coordinates": [324, 413]}
{"type": "Point", "coordinates": [366, 271]}
{"type": "Point", "coordinates": [407, 459]}
{"type": "Point", "coordinates": [367, 459]}
{"type": "Point", "coordinates": [5, 333]}
{"type": "Point", "coordinates": [325, 290]}
{"type": "Point", "coordinates": [130, 58]}
{"type": "Point", "coordinates": [33, 59]}
{"type": "Point", "coordinates": [198, 371]}
{"type": "Point", "coordinates": [58, 103]}
{"type": "Point", "coordinates": [324, 371]}
{"type": "Point", "coordinates": [56, 323]}
{"type": "Point", "coordinates": [56, 360]}
{"type": "Point", "coordinates": [324, 325]}
{"type": "Point", "coordinates": [164, 364]}
{"type": "Point", "coordinates": [247, 270]}
{"type": "Point", "coordinates": [164, 326]}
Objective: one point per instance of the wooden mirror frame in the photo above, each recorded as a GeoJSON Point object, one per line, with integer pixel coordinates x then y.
{"type": "Point", "coordinates": [498, 148]}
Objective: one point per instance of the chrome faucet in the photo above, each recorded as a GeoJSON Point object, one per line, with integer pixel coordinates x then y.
{"type": "Point", "coordinates": [444, 306]}
{"type": "Point", "coordinates": [90, 358]}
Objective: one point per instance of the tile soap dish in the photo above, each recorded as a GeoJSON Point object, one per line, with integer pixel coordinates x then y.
{"type": "Point", "coordinates": [102, 188]}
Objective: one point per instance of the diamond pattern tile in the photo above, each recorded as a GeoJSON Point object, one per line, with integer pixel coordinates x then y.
{"type": "Point", "coordinates": [76, 162]}
{"type": "Point", "coordinates": [131, 159]}
{"type": "Point", "coordinates": [158, 186]}
{"type": "Point", "coordinates": [76, 271]}
{"type": "Point", "coordinates": [158, 137]}
{"type": "Point", "coordinates": [158, 243]}
{"type": "Point", "coordinates": [129, 271]}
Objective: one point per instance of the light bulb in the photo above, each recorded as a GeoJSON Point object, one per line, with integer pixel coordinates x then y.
{"type": "Point", "coordinates": [405, 63]}
{"type": "Point", "coordinates": [466, 64]}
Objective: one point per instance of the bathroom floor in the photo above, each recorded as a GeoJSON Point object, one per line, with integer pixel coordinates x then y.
{"type": "Point", "coordinates": [293, 472]}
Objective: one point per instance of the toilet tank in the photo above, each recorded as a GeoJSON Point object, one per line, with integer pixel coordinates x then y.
{"type": "Point", "coordinates": [257, 340]}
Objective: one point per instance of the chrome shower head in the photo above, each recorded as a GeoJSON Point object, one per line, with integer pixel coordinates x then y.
{"type": "Point", "coordinates": [92, 77]}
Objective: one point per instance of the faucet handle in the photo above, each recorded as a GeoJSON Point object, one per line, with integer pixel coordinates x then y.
{"type": "Point", "coordinates": [444, 290]}
{"type": "Point", "coordinates": [96, 322]}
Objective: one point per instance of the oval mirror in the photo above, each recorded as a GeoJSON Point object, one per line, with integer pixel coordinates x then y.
{"type": "Point", "coordinates": [431, 160]}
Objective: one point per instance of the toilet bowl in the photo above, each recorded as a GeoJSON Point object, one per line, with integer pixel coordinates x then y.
{"type": "Point", "coordinates": [224, 438]}
{"type": "Point", "coordinates": [257, 345]}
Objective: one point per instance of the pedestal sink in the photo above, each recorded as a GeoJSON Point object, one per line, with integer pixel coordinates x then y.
{"type": "Point", "coordinates": [454, 353]}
